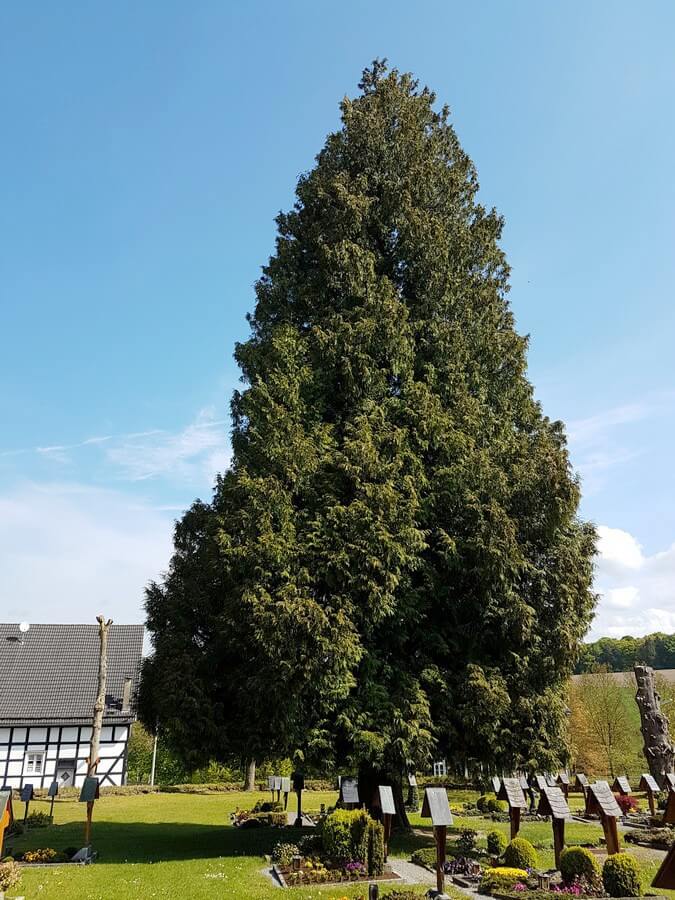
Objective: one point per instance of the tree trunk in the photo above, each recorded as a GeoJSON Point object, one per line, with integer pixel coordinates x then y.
{"type": "Point", "coordinates": [99, 706]}
{"type": "Point", "coordinates": [658, 748]}
{"type": "Point", "coordinates": [249, 783]}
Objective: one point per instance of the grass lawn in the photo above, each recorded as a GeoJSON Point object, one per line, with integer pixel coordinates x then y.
{"type": "Point", "coordinates": [182, 845]}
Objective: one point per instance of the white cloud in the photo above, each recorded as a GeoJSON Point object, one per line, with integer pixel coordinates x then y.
{"type": "Point", "coordinates": [637, 591]}
{"type": "Point", "coordinates": [69, 552]}
{"type": "Point", "coordinates": [192, 455]}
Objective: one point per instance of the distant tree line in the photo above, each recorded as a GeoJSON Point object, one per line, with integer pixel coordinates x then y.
{"type": "Point", "coordinates": [621, 654]}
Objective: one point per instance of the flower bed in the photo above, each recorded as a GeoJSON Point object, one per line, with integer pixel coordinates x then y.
{"type": "Point", "coordinates": [263, 814]}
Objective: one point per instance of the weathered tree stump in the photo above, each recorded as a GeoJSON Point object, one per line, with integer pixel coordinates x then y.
{"type": "Point", "coordinates": [658, 748]}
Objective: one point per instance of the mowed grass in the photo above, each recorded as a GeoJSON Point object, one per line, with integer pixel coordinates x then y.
{"type": "Point", "coordinates": [182, 845]}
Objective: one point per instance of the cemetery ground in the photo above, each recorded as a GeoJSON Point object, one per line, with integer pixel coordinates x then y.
{"type": "Point", "coordinates": [173, 845]}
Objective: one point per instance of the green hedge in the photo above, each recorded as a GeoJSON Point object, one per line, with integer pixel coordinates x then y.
{"type": "Point", "coordinates": [621, 876]}
{"type": "Point", "coordinates": [375, 848]}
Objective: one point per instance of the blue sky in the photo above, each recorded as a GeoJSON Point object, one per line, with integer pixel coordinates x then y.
{"type": "Point", "coordinates": [146, 150]}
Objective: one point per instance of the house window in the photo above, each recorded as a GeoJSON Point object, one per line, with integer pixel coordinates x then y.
{"type": "Point", "coordinates": [33, 763]}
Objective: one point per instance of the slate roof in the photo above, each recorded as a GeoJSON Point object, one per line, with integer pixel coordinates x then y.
{"type": "Point", "coordinates": [552, 803]}
{"type": "Point", "coordinates": [512, 792]}
{"type": "Point", "coordinates": [50, 674]}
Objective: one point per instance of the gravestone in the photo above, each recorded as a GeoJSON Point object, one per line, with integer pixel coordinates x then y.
{"type": "Point", "coordinates": [349, 791]}
{"type": "Point", "coordinates": [388, 808]}
{"type": "Point", "coordinates": [621, 785]}
{"type": "Point", "coordinates": [53, 793]}
{"type": "Point", "coordinates": [298, 779]}
{"type": "Point", "coordinates": [285, 789]}
{"type": "Point", "coordinates": [26, 797]}
{"type": "Point", "coordinates": [665, 877]}
{"type": "Point", "coordinates": [563, 780]}
{"type": "Point", "coordinates": [669, 781]}
{"type": "Point", "coordinates": [496, 783]}
{"type": "Point", "coordinates": [90, 790]}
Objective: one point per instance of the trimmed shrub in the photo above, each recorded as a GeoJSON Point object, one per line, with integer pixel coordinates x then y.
{"type": "Point", "coordinates": [621, 876]}
{"type": "Point", "coordinates": [501, 878]}
{"type": "Point", "coordinates": [578, 862]}
{"type": "Point", "coordinates": [482, 803]}
{"type": "Point", "coordinates": [520, 854]}
{"type": "Point", "coordinates": [467, 840]}
{"type": "Point", "coordinates": [375, 848]}
{"type": "Point", "coordinates": [424, 856]}
{"type": "Point", "coordinates": [413, 799]}
{"type": "Point", "coordinates": [496, 843]}
{"type": "Point", "coordinates": [10, 874]}
{"type": "Point", "coordinates": [283, 853]}
{"type": "Point", "coordinates": [345, 835]}
{"type": "Point", "coordinates": [497, 806]}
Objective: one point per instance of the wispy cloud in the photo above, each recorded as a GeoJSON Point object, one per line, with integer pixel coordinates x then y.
{"type": "Point", "coordinates": [190, 456]}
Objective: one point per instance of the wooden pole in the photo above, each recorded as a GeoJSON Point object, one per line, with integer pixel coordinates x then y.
{"type": "Point", "coordinates": [99, 709]}
{"type": "Point", "coordinates": [558, 839]}
{"type": "Point", "coordinates": [650, 800]}
{"type": "Point", "coordinates": [440, 832]}
{"type": "Point", "coordinates": [611, 833]}
{"type": "Point", "coordinates": [386, 822]}
{"type": "Point", "coordinates": [514, 816]}
{"type": "Point", "coordinates": [51, 808]}
{"type": "Point", "coordinates": [298, 819]}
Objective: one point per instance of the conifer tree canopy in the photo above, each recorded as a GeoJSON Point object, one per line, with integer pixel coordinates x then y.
{"type": "Point", "coordinates": [393, 567]}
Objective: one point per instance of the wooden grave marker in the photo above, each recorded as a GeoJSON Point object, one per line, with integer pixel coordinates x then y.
{"type": "Point", "coordinates": [524, 783]}
{"type": "Point", "coordinates": [581, 781]}
{"type": "Point", "coordinates": [285, 789]}
{"type": "Point", "coordinates": [538, 782]}
{"type": "Point", "coordinates": [563, 781]}
{"type": "Point", "coordinates": [437, 808]}
{"type": "Point", "coordinates": [412, 779]}
{"type": "Point", "coordinates": [89, 793]}
{"type": "Point", "coordinates": [298, 779]}
{"type": "Point", "coordinates": [669, 812]}
{"type": "Point", "coordinates": [385, 800]}
{"type": "Point", "coordinates": [496, 783]}
{"type": "Point", "coordinates": [512, 792]}
{"type": "Point", "coordinates": [621, 785]}
{"type": "Point", "coordinates": [550, 780]}
{"type": "Point", "coordinates": [349, 792]}
{"type": "Point", "coordinates": [601, 801]}
{"type": "Point", "coordinates": [553, 803]}
{"type": "Point", "coordinates": [649, 785]}
{"type": "Point", "coordinates": [669, 781]}
{"type": "Point", "coordinates": [53, 793]}
{"type": "Point", "coordinates": [26, 797]}
{"type": "Point", "coordinates": [665, 877]}
{"type": "Point", "coordinates": [6, 816]}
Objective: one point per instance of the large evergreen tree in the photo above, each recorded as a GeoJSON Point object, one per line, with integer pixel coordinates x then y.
{"type": "Point", "coordinates": [393, 565]}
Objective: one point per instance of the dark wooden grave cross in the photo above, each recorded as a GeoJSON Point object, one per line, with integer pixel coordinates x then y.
{"type": "Point", "coordinates": [52, 792]}
{"type": "Point", "coordinates": [650, 787]}
{"type": "Point", "coordinates": [298, 787]}
{"type": "Point", "coordinates": [669, 812]}
{"type": "Point", "coordinates": [552, 803]}
{"type": "Point", "coordinates": [6, 816]}
{"type": "Point", "coordinates": [26, 797]}
{"type": "Point", "coordinates": [601, 801]}
{"type": "Point", "coordinates": [665, 877]}
{"type": "Point", "coordinates": [512, 792]}
{"type": "Point", "coordinates": [349, 792]}
{"type": "Point", "coordinates": [437, 808]}
{"type": "Point", "coordinates": [621, 785]}
{"type": "Point", "coordinates": [88, 794]}
{"type": "Point", "coordinates": [564, 782]}
{"type": "Point", "coordinates": [385, 800]}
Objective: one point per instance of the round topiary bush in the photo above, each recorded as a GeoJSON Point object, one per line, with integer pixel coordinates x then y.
{"type": "Point", "coordinates": [482, 803]}
{"type": "Point", "coordinates": [578, 862]}
{"type": "Point", "coordinates": [496, 843]}
{"type": "Point", "coordinates": [621, 876]}
{"type": "Point", "coordinates": [520, 854]}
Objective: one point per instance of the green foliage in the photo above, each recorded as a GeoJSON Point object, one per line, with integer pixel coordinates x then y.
{"type": "Point", "coordinates": [393, 563]}
{"type": "Point", "coordinates": [520, 854]}
{"type": "Point", "coordinates": [424, 856]}
{"type": "Point", "coordinates": [482, 803]}
{"type": "Point", "coordinates": [501, 878]}
{"type": "Point", "coordinates": [375, 848]}
{"type": "Point", "coordinates": [345, 835]}
{"type": "Point", "coordinates": [621, 654]}
{"type": "Point", "coordinates": [413, 799]}
{"type": "Point", "coordinates": [578, 862]}
{"type": "Point", "coordinates": [467, 840]}
{"type": "Point", "coordinates": [10, 874]}
{"type": "Point", "coordinates": [38, 820]}
{"type": "Point", "coordinates": [621, 876]}
{"type": "Point", "coordinates": [496, 843]}
{"type": "Point", "coordinates": [283, 853]}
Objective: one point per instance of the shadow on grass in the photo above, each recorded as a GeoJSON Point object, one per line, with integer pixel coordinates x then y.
{"type": "Point", "coordinates": [157, 841]}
